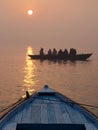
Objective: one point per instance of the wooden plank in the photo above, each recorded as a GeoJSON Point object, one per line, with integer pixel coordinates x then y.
{"type": "Point", "coordinates": [65, 114]}
{"type": "Point", "coordinates": [75, 115]}
{"type": "Point", "coordinates": [36, 113]}
{"type": "Point", "coordinates": [18, 116]}
{"type": "Point", "coordinates": [26, 114]}
{"type": "Point", "coordinates": [10, 126]}
{"type": "Point", "coordinates": [50, 108]}
{"type": "Point", "coordinates": [37, 100]}
{"type": "Point", "coordinates": [46, 99]}
{"type": "Point", "coordinates": [44, 116]}
{"type": "Point", "coordinates": [51, 99]}
{"type": "Point", "coordinates": [51, 113]}
{"type": "Point", "coordinates": [58, 113]}
{"type": "Point", "coordinates": [90, 126]}
{"type": "Point", "coordinates": [61, 114]}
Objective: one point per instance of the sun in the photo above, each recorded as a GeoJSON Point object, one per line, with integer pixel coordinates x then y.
{"type": "Point", "coordinates": [30, 12]}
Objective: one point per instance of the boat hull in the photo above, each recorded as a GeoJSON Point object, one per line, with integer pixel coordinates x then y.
{"type": "Point", "coordinates": [47, 107]}
{"type": "Point", "coordinates": [67, 57]}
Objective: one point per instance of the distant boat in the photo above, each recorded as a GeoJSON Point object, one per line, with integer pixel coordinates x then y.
{"type": "Point", "coordinates": [47, 109]}
{"type": "Point", "coordinates": [57, 57]}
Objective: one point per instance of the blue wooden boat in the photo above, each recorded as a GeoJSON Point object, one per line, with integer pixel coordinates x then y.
{"type": "Point", "coordinates": [47, 109]}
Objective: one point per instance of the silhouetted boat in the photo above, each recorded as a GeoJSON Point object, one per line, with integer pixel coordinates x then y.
{"type": "Point", "coordinates": [48, 110]}
{"type": "Point", "coordinates": [57, 57]}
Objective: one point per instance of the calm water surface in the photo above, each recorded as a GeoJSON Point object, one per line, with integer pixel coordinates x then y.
{"type": "Point", "coordinates": [77, 80]}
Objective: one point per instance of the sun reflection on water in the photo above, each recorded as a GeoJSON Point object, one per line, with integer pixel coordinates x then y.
{"type": "Point", "coordinates": [29, 72]}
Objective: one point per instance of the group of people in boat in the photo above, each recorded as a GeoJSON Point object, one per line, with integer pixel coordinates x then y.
{"type": "Point", "coordinates": [54, 52]}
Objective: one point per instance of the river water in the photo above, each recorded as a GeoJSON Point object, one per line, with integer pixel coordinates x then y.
{"type": "Point", "coordinates": [77, 80]}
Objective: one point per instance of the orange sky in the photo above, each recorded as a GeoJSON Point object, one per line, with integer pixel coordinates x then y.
{"type": "Point", "coordinates": [55, 23]}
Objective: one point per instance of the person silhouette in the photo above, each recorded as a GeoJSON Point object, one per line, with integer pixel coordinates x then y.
{"type": "Point", "coordinates": [41, 52]}
{"type": "Point", "coordinates": [65, 52]}
{"type": "Point", "coordinates": [49, 52]}
{"type": "Point", "coordinates": [54, 52]}
{"type": "Point", "coordinates": [60, 52]}
{"type": "Point", "coordinates": [73, 52]}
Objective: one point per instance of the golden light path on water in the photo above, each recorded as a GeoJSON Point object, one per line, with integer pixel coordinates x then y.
{"type": "Point", "coordinates": [29, 70]}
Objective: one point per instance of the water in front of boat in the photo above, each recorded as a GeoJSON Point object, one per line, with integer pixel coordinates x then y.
{"type": "Point", "coordinates": [77, 80]}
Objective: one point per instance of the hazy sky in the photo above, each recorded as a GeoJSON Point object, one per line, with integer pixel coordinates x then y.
{"type": "Point", "coordinates": [55, 23]}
